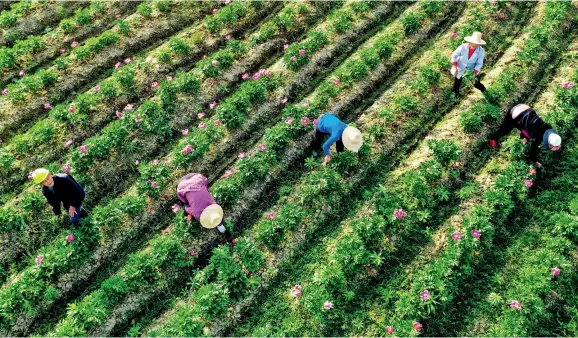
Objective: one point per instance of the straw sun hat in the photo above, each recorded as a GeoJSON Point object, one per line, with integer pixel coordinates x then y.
{"type": "Point", "coordinates": [352, 139]}
{"type": "Point", "coordinates": [211, 216]}
{"type": "Point", "coordinates": [475, 38]}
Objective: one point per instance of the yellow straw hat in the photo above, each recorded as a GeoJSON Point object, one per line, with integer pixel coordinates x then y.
{"type": "Point", "coordinates": [40, 175]}
{"type": "Point", "coordinates": [211, 216]}
{"type": "Point", "coordinates": [352, 138]}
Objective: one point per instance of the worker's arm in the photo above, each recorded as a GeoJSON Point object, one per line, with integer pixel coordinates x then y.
{"type": "Point", "coordinates": [334, 137]}
{"type": "Point", "coordinates": [456, 55]}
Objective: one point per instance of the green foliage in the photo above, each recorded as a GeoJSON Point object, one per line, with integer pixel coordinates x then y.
{"type": "Point", "coordinates": [83, 16]}
{"type": "Point", "coordinates": [145, 10]}
{"type": "Point", "coordinates": [211, 301]}
{"type": "Point", "coordinates": [179, 46]}
{"type": "Point", "coordinates": [251, 258]}
{"type": "Point", "coordinates": [229, 273]}
{"type": "Point", "coordinates": [411, 21]}
{"type": "Point", "coordinates": [444, 151]}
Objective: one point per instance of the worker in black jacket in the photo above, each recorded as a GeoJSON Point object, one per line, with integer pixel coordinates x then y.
{"type": "Point", "coordinates": [532, 128]}
{"type": "Point", "coordinates": [62, 188]}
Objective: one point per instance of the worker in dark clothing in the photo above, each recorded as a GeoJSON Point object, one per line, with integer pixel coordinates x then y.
{"type": "Point", "coordinates": [532, 128]}
{"type": "Point", "coordinates": [339, 133]}
{"type": "Point", "coordinates": [62, 189]}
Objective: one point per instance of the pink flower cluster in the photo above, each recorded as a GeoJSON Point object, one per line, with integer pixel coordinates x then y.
{"type": "Point", "coordinates": [297, 291]}
{"type": "Point", "coordinates": [74, 44]}
{"type": "Point", "coordinates": [263, 147]}
{"type": "Point", "coordinates": [389, 329]}
{"type": "Point", "coordinates": [185, 132]}
{"type": "Point", "coordinates": [21, 72]}
{"type": "Point", "coordinates": [39, 260]}
{"type": "Point", "coordinates": [228, 173]}
{"type": "Point", "coordinates": [5, 92]}
{"type": "Point", "coordinates": [217, 123]}
{"type": "Point", "coordinates": [399, 214]}
{"type": "Point", "coordinates": [187, 150]}
{"type": "Point", "coordinates": [242, 155]}
{"type": "Point", "coordinates": [83, 149]}
{"type": "Point", "coordinates": [304, 121]}
{"type": "Point", "coordinates": [516, 305]}
{"type": "Point", "coordinates": [200, 115]}
{"type": "Point", "coordinates": [154, 85]}
{"type": "Point", "coordinates": [476, 233]}
{"type": "Point", "coordinates": [528, 183]}
{"type": "Point", "coordinates": [424, 295]}
{"type": "Point", "coordinates": [328, 305]}
{"type": "Point", "coordinates": [69, 238]}
{"type": "Point", "coordinates": [176, 208]}
{"type": "Point", "coordinates": [456, 235]}
{"type": "Point", "coordinates": [417, 326]}
{"type": "Point", "coordinates": [271, 215]}
{"type": "Point", "coordinates": [568, 85]}
{"type": "Point", "coordinates": [289, 120]}
{"type": "Point", "coordinates": [67, 144]}
{"type": "Point", "coordinates": [454, 35]}
{"type": "Point", "coordinates": [555, 271]}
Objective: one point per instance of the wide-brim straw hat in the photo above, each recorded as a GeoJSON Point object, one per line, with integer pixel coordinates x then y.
{"type": "Point", "coordinates": [40, 175]}
{"type": "Point", "coordinates": [352, 138]}
{"type": "Point", "coordinates": [211, 216]}
{"type": "Point", "coordinates": [475, 38]}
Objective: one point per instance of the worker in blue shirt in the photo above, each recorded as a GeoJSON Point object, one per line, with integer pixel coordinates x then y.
{"type": "Point", "coordinates": [339, 133]}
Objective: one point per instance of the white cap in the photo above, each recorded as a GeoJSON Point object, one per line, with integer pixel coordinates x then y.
{"type": "Point", "coordinates": [554, 140]}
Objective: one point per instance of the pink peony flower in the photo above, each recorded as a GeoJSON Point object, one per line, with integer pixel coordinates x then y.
{"type": "Point", "coordinates": [304, 121]}
{"type": "Point", "coordinates": [555, 271]}
{"type": "Point", "coordinates": [47, 106]}
{"type": "Point", "coordinates": [71, 109]}
{"type": "Point", "coordinates": [118, 16]}
{"type": "Point", "coordinates": [5, 92]}
{"type": "Point", "coordinates": [117, 65]}
{"type": "Point", "coordinates": [327, 305]}
{"type": "Point", "coordinates": [454, 35]}
{"type": "Point", "coordinates": [200, 115]}
{"type": "Point", "coordinates": [256, 76]}
{"type": "Point", "coordinates": [96, 89]}
{"type": "Point", "coordinates": [245, 76]}
{"type": "Point", "coordinates": [528, 183]}
{"type": "Point", "coordinates": [263, 147]}
{"type": "Point", "coordinates": [67, 144]}
{"type": "Point", "coordinates": [532, 171]}
{"type": "Point", "coordinates": [293, 58]}
{"type": "Point", "coordinates": [228, 37]}
{"type": "Point", "coordinates": [305, 104]}
{"type": "Point", "coordinates": [185, 132]}
{"type": "Point", "coordinates": [70, 237]}
{"type": "Point", "coordinates": [202, 125]}
{"type": "Point", "coordinates": [296, 291]}
{"type": "Point", "coordinates": [155, 163]}
{"type": "Point", "coordinates": [215, 63]}
{"type": "Point", "coordinates": [127, 61]}
{"type": "Point", "coordinates": [424, 295]}
{"type": "Point", "coordinates": [176, 208]}
{"type": "Point", "coordinates": [271, 215]}
{"type": "Point", "coordinates": [154, 185]}
{"type": "Point", "coordinates": [214, 10]}
{"type": "Point", "coordinates": [285, 46]}
{"type": "Point", "coordinates": [137, 120]}
{"type": "Point", "coordinates": [476, 233]}
{"type": "Point", "coordinates": [242, 155]}
{"type": "Point", "coordinates": [66, 168]}
{"type": "Point", "coordinates": [154, 85]}
{"type": "Point", "coordinates": [336, 82]}
{"type": "Point", "coordinates": [289, 120]}
{"type": "Point", "coordinates": [269, 73]}
{"type": "Point", "coordinates": [118, 114]}
{"type": "Point", "coordinates": [456, 236]}
{"type": "Point", "coordinates": [389, 329]}
{"type": "Point", "coordinates": [74, 44]}
{"type": "Point", "coordinates": [217, 123]}
{"type": "Point", "coordinates": [302, 52]}
{"type": "Point", "coordinates": [192, 252]}
{"type": "Point", "coordinates": [417, 326]}
{"type": "Point", "coordinates": [21, 72]}
{"type": "Point", "coordinates": [187, 150]}
{"type": "Point", "coordinates": [568, 85]}
{"type": "Point", "coordinates": [228, 173]}
{"type": "Point", "coordinates": [62, 51]}
{"type": "Point", "coordinates": [83, 149]}
{"type": "Point", "coordinates": [234, 241]}
{"type": "Point", "coordinates": [492, 2]}
{"type": "Point", "coordinates": [128, 107]}
{"type": "Point", "coordinates": [30, 175]}
{"type": "Point", "coordinates": [516, 305]}
{"type": "Point", "coordinates": [169, 78]}
{"type": "Point", "coordinates": [284, 100]}
{"type": "Point", "coordinates": [39, 260]}
{"type": "Point", "coordinates": [213, 105]}
{"type": "Point", "coordinates": [399, 214]}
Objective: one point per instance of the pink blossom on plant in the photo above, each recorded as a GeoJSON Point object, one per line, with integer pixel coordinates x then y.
{"type": "Point", "coordinates": [515, 305]}
{"type": "Point", "coordinates": [456, 235]}
{"type": "Point", "coordinates": [228, 37]}
{"type": "Point", "coordinates": [96, 89]}
{"type": "Point", "coordinates": [336, 82]}
{"type": "Point", "coordinates": [155, 163]}
{"type": "Point", "coordinates": [417, 326]}
{"type": "Point", "coordinates": [454, 35]}
{"type": "Point", "coordinates": [117, 65]}
{"type": "Point", "coordinates": [302, 52]}
{"type": "Point", "coordinates": [200, 115]}
{"type": "Point", "coordinates": [389, 329]}
{"type": "Point", "coordinates": [127, 61]}
{"type": "Point", "coordinates": [39, 260]}
{"type": "Point", "coordinates": [217, 123]}
{"type": "Point", "coordinates": [21, 72]}
{"type": "Point", "coordinates": [62, 51]}
{"type": "Point", "coordinates": [399, 214]}
{"type": "Point", "coordinates": [476, 233]}
{"type": "Point", "coordinates": [528, 183]}
{"type": "Point", "coordinates": [70, 237]}
{"type": "Point", "coordinates": [228, 173]}
{"type": "Point", "coordinates": [285, 46]}
{"type": "Point", "coordinates": [169, 78]}
{"type": "Point", "coordinates": [59, 163]}
{"type": "Point", "coordinates": [555, 271]}
{"type": "Point", "coordinates": [118, 114]}
{"type": "Point", "coordinates": [83, 149]}
{"type": "Point", "coordinates": [74, 44]}
{"type": "Point", "coordinates": [269, 73]}
{"type": "Point", "coordinates": [213, 104]}
{"type": "Point", "coordinates": [234, 241]}
{"type": "Point", "coordinates": [271, 215]}
{"type": "Point", "coordinates": [154, 85]}
{"type": "Point", "coordinates": [187, 150]}
{"type": "Point", "coordinates": [256, 76]}
{"type": "Point", "coordinates": [66, 168]}
{"type": "Point", "coordinates": [328, 305]}
{"type": "Point", "coordinates": [128, 107]}
{"type": "Point", "coordinates": [202, 125]}
{"type": "Point", "coordinates": [304, 121]}
{"type": "Point", "coordinates": [305, 104]}
{"type": "Point", "coordinates": [296, 291]}
{"type": "Point", "coordinates": [71, 109]}
{"type": "Point", "coordinates": [242, 155]}
{"type": "Point", "coordinates": [215, 63]}
{"type": "Point", "coordinates": [214, 10]}
{"type": "Point", "coordinates": [47, 106]}
{"type": "Point", "coordinates": [154, 185]}
{"type": "Point", "coordinates": [118, 16]}
{"type": "Point", "coordinates": [137, 120]}
{"type": "Point", "coordinates": [289, 120]}
{"type": "Point", "coordinates": [192, 252]}
{"type": "Point", "coordinates": [568, 85]}
{"type": "Point", "coordinates": [424, 295]}
{"type": "Point", "coordinates": [245, 76]}
{"type": "Point", "coordinates": [293, 58]}
{"type": "Point", "coordinates": [493, 3]}
{"type": "Point", "coordinates": [284, 100]}
{"type": "Point", "coordinates": [176, 208]}
{"type": "Point", "coordinates": [67, 143]}
{"type": "Point", "coordinates": [263, 147]}
{"type": "Point", "coordinates": [5, 92]}
{"type": "Point", "coordinates": [30, 175]}
{"type": "Point", "coordinates": [185, 132]}
{"type": "Point", "coordinates": [532, 171]}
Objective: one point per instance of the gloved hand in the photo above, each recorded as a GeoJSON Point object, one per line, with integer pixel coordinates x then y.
{"type": "Point", "coordinates": [493, 143]}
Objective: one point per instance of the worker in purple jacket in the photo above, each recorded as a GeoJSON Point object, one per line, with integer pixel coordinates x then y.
{"type": "Point", "coordinates": [339, 133]}
{"type": "Point", "coordinates": [194, 193]}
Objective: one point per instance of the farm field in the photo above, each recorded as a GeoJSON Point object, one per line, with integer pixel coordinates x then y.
{"type": "Point", "coordinates": [426, 231]}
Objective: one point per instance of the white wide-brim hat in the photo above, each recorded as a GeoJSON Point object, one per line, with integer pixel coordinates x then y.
{"type": "Point", "coordinates": [475, 38]}
{"type": "Point", "coordinates": [211, 216]}
{"type": "Point", "coordinates": [352, 138]}
{"type": "Point", "coordinates": [554, 140]}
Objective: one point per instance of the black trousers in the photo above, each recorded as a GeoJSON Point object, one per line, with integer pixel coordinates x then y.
{"type": "Point", "coordinates": [318, 141]}
{"type": "Point", "coordinates": [477, 84]}
{"type": "Point", "coordinates": [506, 127]}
